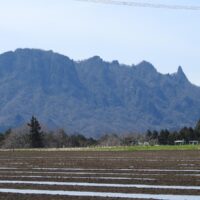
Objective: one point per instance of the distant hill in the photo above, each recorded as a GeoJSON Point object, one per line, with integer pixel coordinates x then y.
{"type": "Point", "coordinates": [93, 96]}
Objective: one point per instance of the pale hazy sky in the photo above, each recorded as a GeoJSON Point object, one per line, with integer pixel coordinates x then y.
{"type": "Point", "coordinates": [166, 38]}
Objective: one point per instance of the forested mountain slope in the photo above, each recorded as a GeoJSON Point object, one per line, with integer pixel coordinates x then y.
{"type": "Point", "coordinates": [93, 96]}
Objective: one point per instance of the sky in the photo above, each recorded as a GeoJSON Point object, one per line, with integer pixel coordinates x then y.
{"type": "Point", "coordinates": [79, 30]}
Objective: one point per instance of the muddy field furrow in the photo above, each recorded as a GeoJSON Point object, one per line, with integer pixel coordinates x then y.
{"type": "Point", "coordinates": [155, 168]}
{"type": "Point", "coordinates": [160, 181]}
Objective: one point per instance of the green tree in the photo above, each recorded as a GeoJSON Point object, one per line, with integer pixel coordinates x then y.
{"type": "Point", "coordinates": [171, 138]}
{"type": "Point", "coordinates": [149, 135]}
{"type": "Point", "coordinates": [2, 138]}
{"type": "Point", "coordinates": [155, 135]}
{"type": "Point", "coordinates": [36, 135]}
{"type": "Point", "coordinates": [197, 130]}
{"type": "Point", "coordinates": [163, 137]}
{"type": "Point", "coordinates": [186, 134]}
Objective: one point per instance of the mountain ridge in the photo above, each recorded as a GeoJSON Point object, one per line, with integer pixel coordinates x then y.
{"type": "Point", "coordinates": [93, 96]}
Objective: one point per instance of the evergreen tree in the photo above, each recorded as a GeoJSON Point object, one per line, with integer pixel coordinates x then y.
{"type": "Point", "coordinates": [155, 135]}
{"type": "Point", "coordinates": [36, 135]}
{"type": "Point", "coordinates": [171, 138]}
{"type": "Point", "coordinates": [2, 137]}
{"type": "Point", "coordinates": [163, 137]}
{"type": "Point", "coordinates": [197, 128]}
{"type": "Point", "coordinates": [149, 135]}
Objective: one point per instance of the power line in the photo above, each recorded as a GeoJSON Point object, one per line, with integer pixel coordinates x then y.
{"type": "Point", "coordinates": [145, 5]}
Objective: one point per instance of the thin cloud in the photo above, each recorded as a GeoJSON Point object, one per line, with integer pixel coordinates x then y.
{"type": "Point", "coordinates": [145, 5]}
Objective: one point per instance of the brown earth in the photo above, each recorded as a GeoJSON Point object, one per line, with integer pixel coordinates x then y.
{"type": "Point", "coordinates": [101, 163]}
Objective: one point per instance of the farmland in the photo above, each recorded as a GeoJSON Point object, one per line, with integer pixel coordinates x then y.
{"type": "Point", "coordinates": [97, 175]}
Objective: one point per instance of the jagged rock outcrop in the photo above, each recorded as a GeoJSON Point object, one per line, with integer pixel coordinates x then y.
{"type": "Point", "coordinates": [93, 96]}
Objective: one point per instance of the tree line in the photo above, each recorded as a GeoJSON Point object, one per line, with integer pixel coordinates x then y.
{"type": "Point", "coordinates": [166, 137]}
{"type": "Point", "coordinates": [32, 136]}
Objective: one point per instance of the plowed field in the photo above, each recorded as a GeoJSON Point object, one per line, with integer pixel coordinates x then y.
{"type": "Point", "coordinates": [57, 175]}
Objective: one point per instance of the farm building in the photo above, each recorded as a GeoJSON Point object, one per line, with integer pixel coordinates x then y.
{"type": "Point", "coordinates": [179, 142]}
{"type": "Point", "coordinates": [194, 142]}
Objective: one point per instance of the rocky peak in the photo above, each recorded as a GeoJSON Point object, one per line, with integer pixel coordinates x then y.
{"type": "Point", "coordinates": [146, 67]}
{"type": "Point", "coordinates": [95, 59]}
{"type": "Point", "coordinates": [180, 75]}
